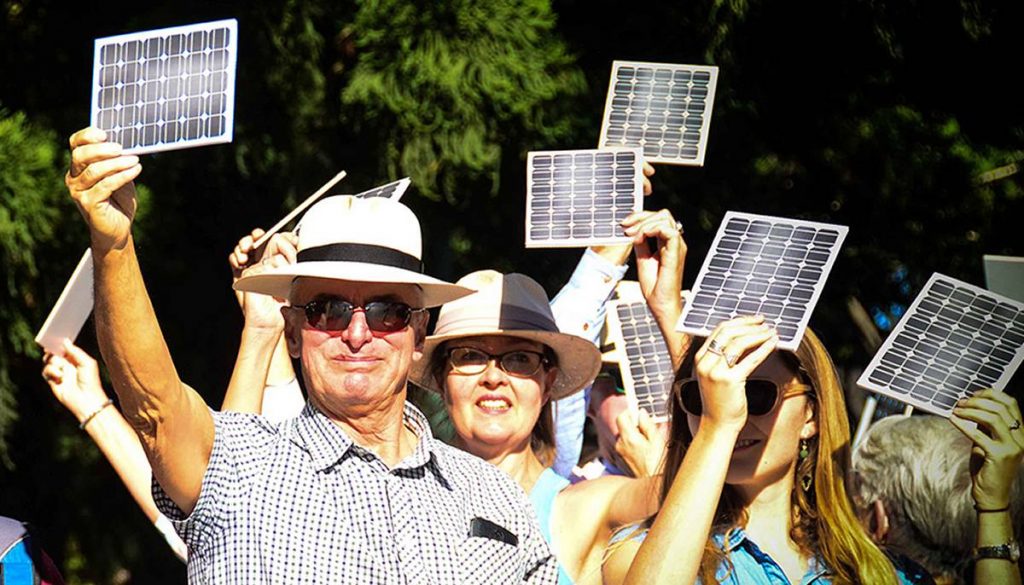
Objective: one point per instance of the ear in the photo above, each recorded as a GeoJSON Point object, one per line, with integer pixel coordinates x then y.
{"type": "Point", "coordinates": [810, 428]}
{"type": "Point", "coordinates": [419, 329]}
{"type": "Point", "coordinates": [292, 333]}
{"type": "Point", "coordinates": [878, 525]}
{"type": "Point", "coordinates": [549, 381]}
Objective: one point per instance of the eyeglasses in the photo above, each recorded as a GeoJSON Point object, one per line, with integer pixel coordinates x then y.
{"type": "Point", "coordinates": [763, 395]}
{"type": "Point", "coordinates": [335, 314]}
{"type": "Point", "coordinates": [520, 363]}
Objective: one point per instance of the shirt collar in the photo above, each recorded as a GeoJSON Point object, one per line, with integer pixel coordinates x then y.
{"type": "Point", "coordinates": [327, 443]}
{"type": "Point", "coordinates": [737, 537]}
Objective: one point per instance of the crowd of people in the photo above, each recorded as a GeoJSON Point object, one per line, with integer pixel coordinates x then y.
{"type": "Point", "coordinates": [339, 479]}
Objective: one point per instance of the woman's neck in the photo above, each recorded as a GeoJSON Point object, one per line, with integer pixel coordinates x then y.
{"type": "Point", "coordinates": [770, 515]}
{"type": "Point", "coordinates": [519, 462]}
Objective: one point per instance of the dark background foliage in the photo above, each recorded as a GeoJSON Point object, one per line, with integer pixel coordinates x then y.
{"type": "Point", "coordinates": [880, 116]}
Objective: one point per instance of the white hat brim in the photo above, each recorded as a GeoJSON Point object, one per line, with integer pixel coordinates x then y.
{"type": "Point", "coordinates": [579, 360]}
{"type": "Point", "coordinates": [278, 281]}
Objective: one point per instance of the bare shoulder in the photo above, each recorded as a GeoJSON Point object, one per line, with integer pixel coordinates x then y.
{"type": "Point", "coordinates": [593, 492]}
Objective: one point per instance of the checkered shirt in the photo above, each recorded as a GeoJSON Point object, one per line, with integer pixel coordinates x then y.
{"type": "Point", "coordinates": [299, 502]}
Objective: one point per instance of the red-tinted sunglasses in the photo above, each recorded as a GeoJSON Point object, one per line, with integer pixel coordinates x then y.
{"type": "Point", "coordinates": [763, 395]}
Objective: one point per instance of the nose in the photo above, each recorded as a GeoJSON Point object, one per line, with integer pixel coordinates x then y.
{"type": "Point", "coordinates": [493, 376]}
{"type": "Point", "coordinates": [358, 333]}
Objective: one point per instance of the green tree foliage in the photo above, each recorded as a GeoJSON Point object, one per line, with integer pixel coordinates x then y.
{"type": "Point", "coordinates": [31, 189]}
{"type": "Point", "coordinates": [449, 85]}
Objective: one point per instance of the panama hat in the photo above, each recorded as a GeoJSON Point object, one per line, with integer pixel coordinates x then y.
{"type": "Point", "coordinates": [511, 305]}
{"type": "Point", "coordinates": [358, 240]}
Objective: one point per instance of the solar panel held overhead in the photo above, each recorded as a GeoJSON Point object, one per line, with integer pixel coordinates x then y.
{"type": "Point", "coordinates": [662, 108]}
{"type": "Point", "coordinates": [762, 265]}
{"type": "Point", "coordinates": [166, 89]}
{"type": "Point", "coordinates": [955, 339]}
{"type": "Point", "coordinates": [644, 360]}
{"type": "Point", "coordinates": [578, 198]}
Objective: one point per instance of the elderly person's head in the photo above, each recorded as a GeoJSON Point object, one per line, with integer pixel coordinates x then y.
{"type": "Point", "coordinates": [911, 483]}
{"type": "Point", "coordinates": [498, 359]}
{"type": "Point", "coordinates": [357, 296]}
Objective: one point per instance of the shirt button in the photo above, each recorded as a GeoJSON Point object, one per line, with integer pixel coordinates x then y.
{"type": "Point", "coordinates": [607, 279]}
{"type": "Point", "coordinates": [586, 326]}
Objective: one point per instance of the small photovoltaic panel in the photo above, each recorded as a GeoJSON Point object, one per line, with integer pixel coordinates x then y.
{"type": "Point", "coordinates": [664, 109]}
{"type": "Point", "coordinates": [390, 191]}
{"type": "Point", "coordinates": [166, 89]}
{"type": "Point", "coordinates": [645, 363]}
{"type": "Point", "coordinates": [578, 198]}
{"type": "Point", "coordinates": [954, 340]}
{"type": "Point", "coordinates": [761, 265]}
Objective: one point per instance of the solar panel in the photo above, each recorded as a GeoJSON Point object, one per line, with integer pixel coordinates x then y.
{"type": "Point", "coordinates": [578, 198]}
{"type": "Point", "coordinates": [954, 340]}
{"type": "Point", "coordinates": [664, 109]}
{"type": "Point", "coordinates": [644, 360]}
{"type": "Point", "coordinates": [390, 191]}
{"type": "Point", "coordinates": [72, 309]}
{"type": "Point", "coordinates": [762, 265]}
{"type": "Point", "coordinates": [166, 89]}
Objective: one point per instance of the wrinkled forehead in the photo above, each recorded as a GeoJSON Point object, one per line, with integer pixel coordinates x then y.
{"type": "Point", "coordinates": [305, 289]}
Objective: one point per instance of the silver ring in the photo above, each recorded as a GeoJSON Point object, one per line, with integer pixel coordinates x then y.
{"type": "Point", "coordinates": [715, 347]}
{"type": "Point", "coordinates": [1015, 425]}
{"type": "Point", "coordinates": [679, 226]}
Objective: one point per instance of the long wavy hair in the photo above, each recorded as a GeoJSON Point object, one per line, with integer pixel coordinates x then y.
{"type": "Point", "coordinates": [824, 522]}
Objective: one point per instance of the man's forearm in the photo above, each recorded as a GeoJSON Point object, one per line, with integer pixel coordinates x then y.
{"type": "Point", "coordinates": [130, 339]}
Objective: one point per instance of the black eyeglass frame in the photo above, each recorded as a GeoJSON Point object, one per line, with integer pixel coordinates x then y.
{"type": "Point", "coordinates": [544, 361]}
{"type": "Point", "coordinates": [781, 392]}
{"type": "Point", "coordinates": [378, 314]}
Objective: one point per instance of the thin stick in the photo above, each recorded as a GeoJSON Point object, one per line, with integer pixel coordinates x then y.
{"type": "Point", "coordinates": [295, 212]}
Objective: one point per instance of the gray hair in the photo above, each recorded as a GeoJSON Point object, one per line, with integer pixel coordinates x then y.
{"type": "Point", "coordinates": [919, 468]}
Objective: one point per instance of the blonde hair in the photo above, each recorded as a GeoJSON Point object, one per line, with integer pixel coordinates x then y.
{"type": "Point", "coordinates": [824, 522]}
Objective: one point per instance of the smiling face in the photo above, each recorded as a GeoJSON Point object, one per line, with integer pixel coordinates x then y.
{"type": "Point", "coordinates": [768, 446]}
{"type": "Point", "coordinates": [494, 411]}
{"type": "Point", "coordinates": [355, 370]}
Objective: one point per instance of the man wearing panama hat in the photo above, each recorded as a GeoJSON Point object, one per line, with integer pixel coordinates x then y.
{"type": "Point", "coordinates": [355, 489]}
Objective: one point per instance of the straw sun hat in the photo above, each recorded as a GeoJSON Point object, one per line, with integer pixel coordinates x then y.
{"type": "Point", "coordinates": [511, 305]}
{"type": "Point", "coordinates": [360, 240]}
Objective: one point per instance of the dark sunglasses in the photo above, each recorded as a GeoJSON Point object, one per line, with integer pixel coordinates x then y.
{"type": "Point", "coordinates": [335, 314]}
{"type": "Point", "coordinates": [520, 363]}
{"type": "Point", "coordinates": [763, 396]}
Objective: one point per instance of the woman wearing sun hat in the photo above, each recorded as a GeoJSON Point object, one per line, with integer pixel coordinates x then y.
{"type": "Point", "coordinates": [498, 360]}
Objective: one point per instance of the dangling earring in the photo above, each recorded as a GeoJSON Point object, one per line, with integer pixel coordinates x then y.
{"type": "Point", "coordinates": [805, 479]}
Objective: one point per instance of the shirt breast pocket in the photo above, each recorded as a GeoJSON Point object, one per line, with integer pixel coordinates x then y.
{"type": "Point", "coordinates": [486, 560]}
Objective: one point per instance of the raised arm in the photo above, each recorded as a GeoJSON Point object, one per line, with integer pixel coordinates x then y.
{"type": "Point", "coordinates": [660, 272]}
{"type": "Point", "coordinates": [172, 421]}
{"type": "Point", "coordinates": [998, 450]}
{"type": "Point", "coordinates": [74, 380]}
{"type": "Point", "coordinates": [672, 551]}
{"type": "Point", "coordinates": [263, 363]}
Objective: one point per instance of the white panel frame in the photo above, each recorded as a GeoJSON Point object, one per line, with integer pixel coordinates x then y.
{"type": "Point", "coordinates": [705, 126]}
{"type": "Point", "coordinates": [231, 24]}
{"type": "Point", "coordinates": [818, 287]}
{"type": "Point", "coordinates": [638, 194]}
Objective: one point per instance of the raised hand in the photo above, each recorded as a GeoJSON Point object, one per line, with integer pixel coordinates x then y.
{"type": "Point", "coordinates": [75, 380]}
{"type": "Point", "coordinates": [998, 445]}
{"type": "Point", "coordinates": [641, 443]}
{"type": "Point", "coordinates": [263, 311]}
{"type": "Point", "coordinates": [100, 182]}
{"type": "Point", "coordinates": [729, 355]}
{"type": "Point", "coordinates": [659, 270]}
